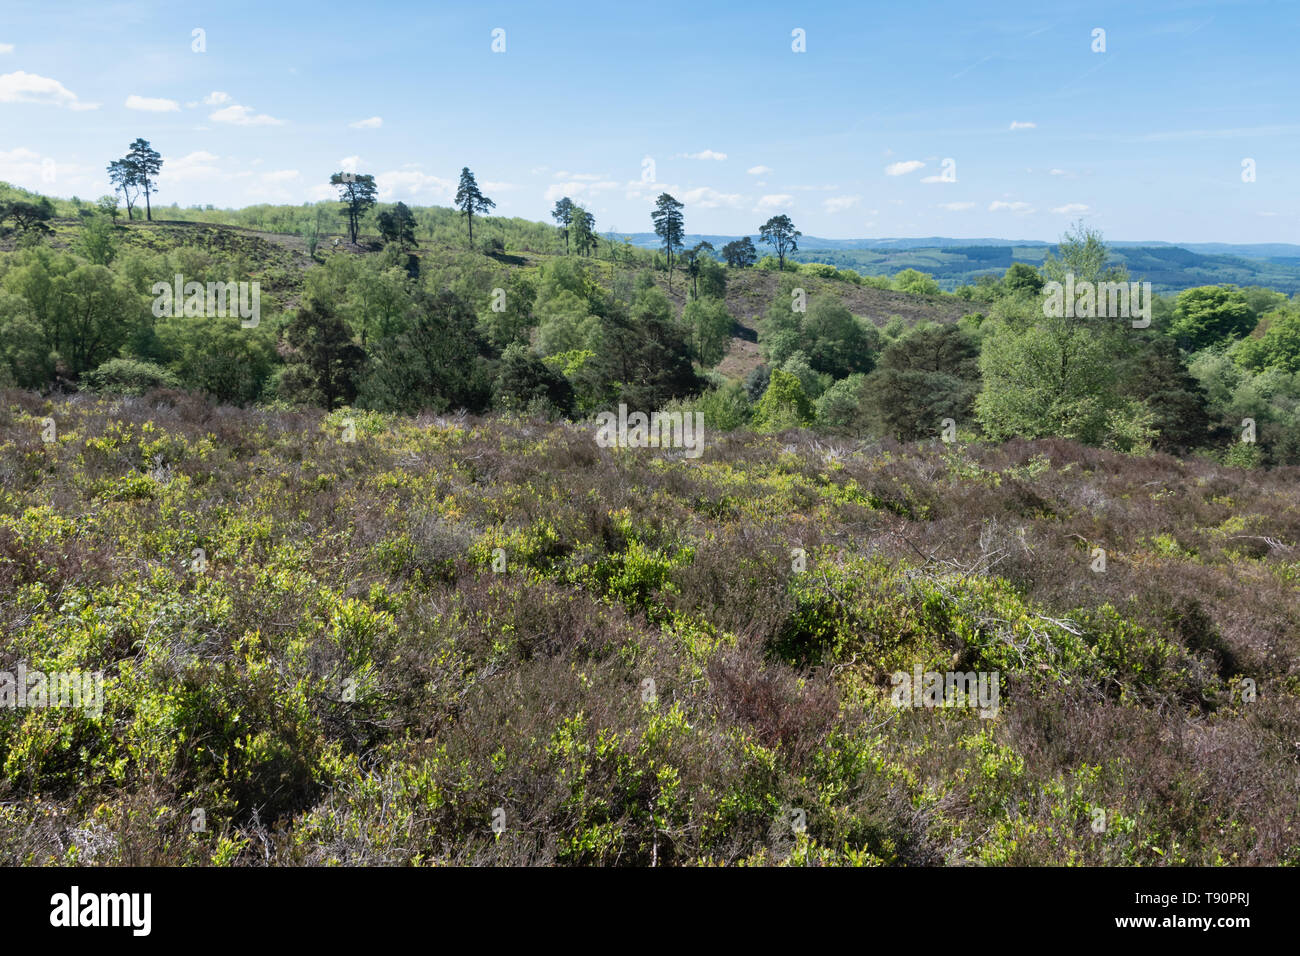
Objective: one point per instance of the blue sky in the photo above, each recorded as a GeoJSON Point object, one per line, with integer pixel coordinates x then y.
{"type": "Point", "coordinates": [1144, 141]}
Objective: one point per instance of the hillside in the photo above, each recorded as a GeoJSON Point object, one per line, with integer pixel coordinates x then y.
{"type": "Point", "coordinates": [1168, 267]}
{"type": "Point", "coordinates": [278, 261]}
{"type": "Point", "coordinates": [493, 641]}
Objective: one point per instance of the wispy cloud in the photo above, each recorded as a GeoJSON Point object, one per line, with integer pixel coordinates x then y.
{"type": "Point", "coordinates": [198, 166]}
{"type": "Point", "coordinates": [1070, 208]}
{"type": "Point", "coordinates": [414, 184]}
{"type": "Point", "coordinates": [903, 167]}
{"type": "Point", "coordinates": [702, 154]}
{"type": "Point", "coordinates": [237, 115]}
{"type": "Point", "coordinates": [708, 198]}
{"type": "Point", "coordinates": [373, 122]}
{"type": "Point", "coordinates": [840, 203]}
{"type": "Point", "coordinates": [1023, 124]}
{"type": "Point", "coordinates": [758, 170]}
{"type": "Point", "coordinates": [577, 187]}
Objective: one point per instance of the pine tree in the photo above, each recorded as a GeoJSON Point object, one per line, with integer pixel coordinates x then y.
{"type": "Point", "coordinates": [670, 226]}
{"type": "Point", "coordinates": [470, 199]}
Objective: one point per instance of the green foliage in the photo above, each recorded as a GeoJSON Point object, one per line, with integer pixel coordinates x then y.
{"type": "Point", "coordinates": [1049, 378]}
{"type": "Point", "coordinates": [783, 405]}
{"type": "Point", "coordinates": [1022, 278]}
{"type": "Point", "coordinates": [27, 217]}
{"type": "Point", "coordinates": [836, 342]}
{"type": "Point", "coordinates": [1174, 400]}
{"type": "Point", "coordinates": [324, 364]}
{"type": "Point", "coordinates": [1210, 314]}
{"type": "Point", "coordinates": [525, 383]}
{"type": "Point", "coordinates": [669, 226]}
{"type": "Point", "coordinates": [358, 193]}
{"type": "Point", "coordinates": [840, 406]}
{"type": "Point", "coordinates": [740, 253]}
{"type": "Point", "coordinates": [928, 374]}
{"type": "Point", "coordinates": [129, 377]}
{"type": "Point", "coordinates": [218, 356]}
{"type": "Point", "coordinates": [915, 283]}
{"type": "Point", "coordinates": [779, 233]}
{"type": "Point", "coordinates": [98, 241]}
{"type": "Point", "coordinates": [432, 364]}
{"type": "Point", "coordinates": [470, 200]}
{"type": "Point", "coordinates": [397, 225]}
{"type": "Point", "coordinates": [83, 313]}
{"type": "Point", "coordinates": [1277, 347]}
{"type": "Point", "coordinates": [811, 381]}
{"type": "Point", "coordinates": [642, 356]}
{"type": "Point", "coordinates": [710, 325]}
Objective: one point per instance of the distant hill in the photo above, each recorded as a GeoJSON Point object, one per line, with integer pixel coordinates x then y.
{"type": "Point", "coordinates": [954, 262]}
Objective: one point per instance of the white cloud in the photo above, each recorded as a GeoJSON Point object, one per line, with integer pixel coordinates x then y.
{"type": "Point", "coordinates": [774, 201]}
{"type": "Point", "coordinates": [29, 169]}
{"type": "Point", "coordinates": [243, 116]}
{"type": "Point", "coordinates": [1000, 206]}
{"type": "Point", "coordinates": [148, 105]}
{"type": "Point", "coordinates": [703, 154]}
{"type": "Point", "coordinates": [1017, 124]}
{"type": "Point", "coordinates": [591, 177]}
{"type": "Point", "coordinates": [575, 188]}
{"type": "Point", "coordinates": [273, 186]}
{"type": "Point", "coordinates": [373, 123]}
{"type": "Point", "coordinates": [349, 164]}
{"type": "Point", "coordinates": [648, 191]}
{"type": "Point", "coordinates": [216, 98]}
{"type": "Point", "coordinates": [23, 87]}
{"type": "Point", "coordinates": [937, 178]}
{"type": "Point", "coordinates": [199, 166]}
{"type": "Point", "coordinates": [841, 203]}
{"type": "Point", "coordinates": [758, 170]}
{"type": "Point", "coordinates": [6, 48]}
{"type": "Point", "coordinates": [1070, 208]}
{"type": "Point", "coordinates": [903, 167]}
{"type": "Point", "coordinates": [413, 184]}
{"type": "Point", "coordinates": [956, 206]}
{"type": "Point", "coordinates": [707, 198]}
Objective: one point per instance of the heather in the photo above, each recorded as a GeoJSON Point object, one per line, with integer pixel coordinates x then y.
{"type": "Point", "coordinates": [357, 637]}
